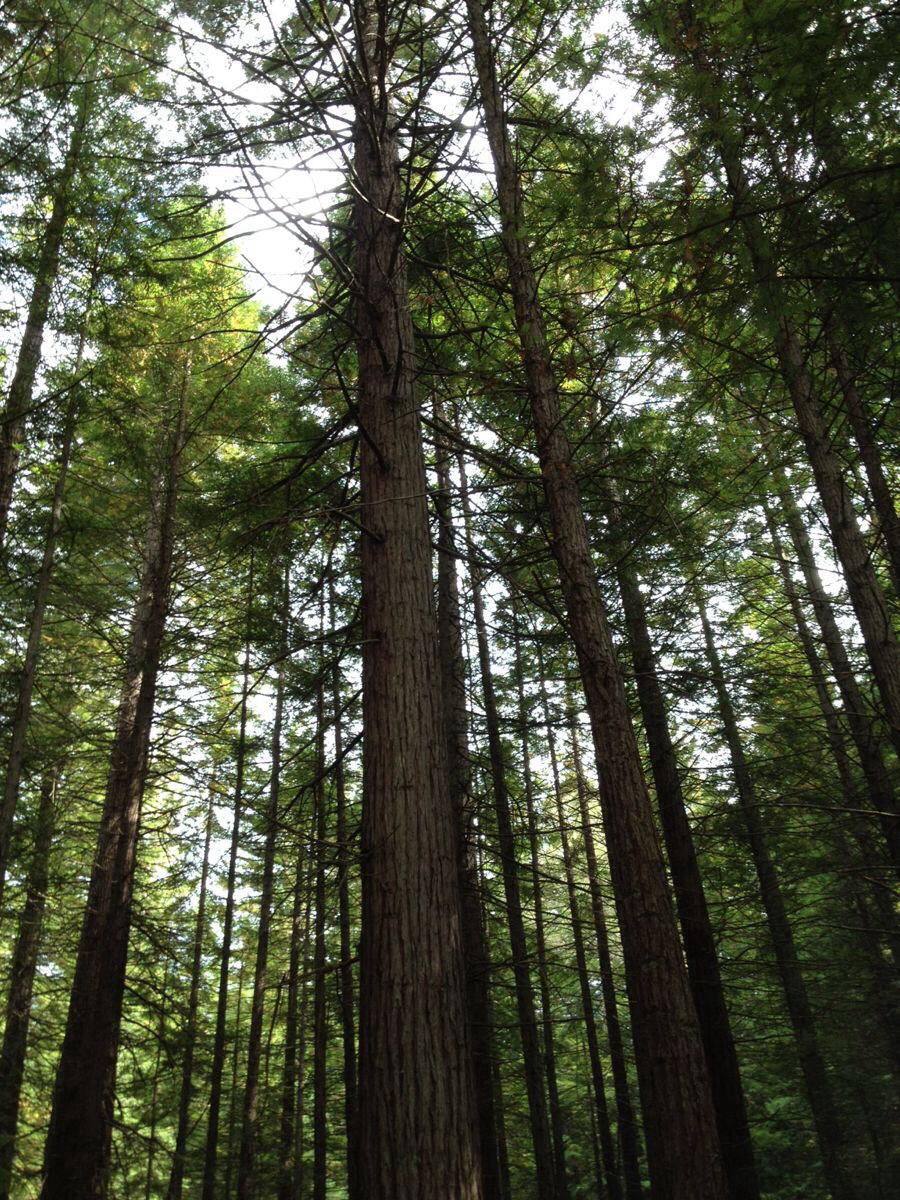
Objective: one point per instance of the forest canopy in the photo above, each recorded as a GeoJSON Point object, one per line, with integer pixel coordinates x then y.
{"type": "Point", "coordinates": [449, 592]}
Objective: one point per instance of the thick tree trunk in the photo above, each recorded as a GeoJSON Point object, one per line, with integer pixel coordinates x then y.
{"type": "Point", "coordinates": [21, 984]}
{"type": "Point", "coordinates": [176, 1176]}
{"type": "Point", "coordinates": [607, 1146]}
{"type": "Point", "coordinates": [815, 1073]}
{"type": "Point", "coordinates": [76, 1154]}
{"type": "Point", "coordinates": [247, 1165]}
{"type": "Point", "coordinates": [21, 389]}
{"type": "Point", "coordinates": [217, 1066]}
{"type": "Point", "coordinates": [690, 900]}
{"type": "Point", "coordinates": [418, 1130]}
{"type": "Point", "coordinates": [453, 688]}
{"type": "Point", "coordinates": [32, 650]}
{"type": "Point", "coordinates": [682, 1140]}
{"type": "Point", "coordinates": [629, 1140]}
{"type": "Point", "coordinates": [549, 1170]}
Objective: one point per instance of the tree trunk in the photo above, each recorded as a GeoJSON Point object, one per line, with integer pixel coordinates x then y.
{"type": "Point", "coordinates": [247, 1165]}
{"type": "Point", "coordinates": [176, 1176]}
{"type": "Point", "coordinates": [286, 1159]}
{"type": "Point", "coordinates": [865, 592]}
{"type": "Point", "coordinates": [154, 1090]}
{"type": "Point", "coordinates": [21, 389]}
{"type": "Point", "coordinates": [607, 1147]}
{"type": "Point", "coordinates": [453, 688]}
{"type": "Point", "coordinates": [864, 736]}
{"type": "Point", "coordinates": [549, 1170]}
{"type": "Point", "coordinates": [348, 1024]}
{"type": "Point", "coordinates": [629, 1140]}
{"type": "Point", "coordinates": [556, 1120]}
{"type": "Point", "coordinates": [690, 900]}
{"type": "Point", "coordinates": [835, 736]}
{"type": "Point", "coordinates": [211, 1151]}
{"type": "Point", "coordinates": [682, 1141]}
{"type": "Point", "coordinates": [869, 451]}
{"type": "Point", "coordinates": [815, 1073]}
{"type": "Point", "coordinates": [320, 1022]}
{"type": "Point", "coordinates": [233, 1094]}
{"type": "Point", "coordinates": [418, 1132]}
{"type": "Point", "coordinates": [21, 986]}
{"type": "Point", "coordinates": [32, 651]}
{"type": "Point", "coordinates": [76, 1154]}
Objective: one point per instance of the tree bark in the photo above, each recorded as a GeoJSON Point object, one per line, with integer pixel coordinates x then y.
{"type": "Point", "coordinates": [76, 1154]}
{"type": "Point", "coordinates": [21, 986]}
{"type": "Point", "coordinates": [682, 1140]}
{"type": "Point", "coordinates": [418, 1132]}
{"type": "Point", "coordinates": [829, 1133]}
{"type": "Point", "coordinates": [176, 1175]}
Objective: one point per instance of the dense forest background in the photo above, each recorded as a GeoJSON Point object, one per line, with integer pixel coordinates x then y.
{"type": "Point", "coordinates": [450, 568]}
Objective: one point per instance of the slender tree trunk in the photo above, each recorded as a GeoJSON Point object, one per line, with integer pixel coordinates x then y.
{"type": "Point", "coordinates": [869, 451]}
{"type": "Point", "coordinates": [287, 1142]}
{"type": "Point", "coordinates": [682, 1140]}
{"type": "Point", "coordinates": [348, 1024]}
{"type": "Point", "coordinates": [247, 1165]}
{"type": "Point", "coordinates": [320, 1015]}
{"type": "Point", "coordinates": [21, 986]}
{"type": "Point", "coordinates": [33, 649]}
{"type": "Point", "coordinates": [864, 589]}
{"type": "Point", "coordinates": [629, 1140]}
{"type": "Point", "coordinates": [864, 735]}
{"type": "Point", "coordinates": [76, 1154]}
{"type": "Point", "coordinates": [176, 1176]}
{"type": "Point", "coordinates": [556, 1120]}
{"type": "Point", "coordinates": [835, 736]}
{"type": "Point", "coordinates": [233, 1094]}
{"type": "Point", "coordinates": [21, 389]}
{"type": "Point", "coordinates": [154, 1090]}
{"type": "Point", "coordinates": [549, 1171]}
{"type": "Point", "coordinates": [211, 1151]}
{"type": "Point", "coordinates": [607, 1146]}
{"type": "Point", "coordinates": [300, 1133]}
{"type": "Point", "coordinates": [453, 688]}
{"type": "Point", "coordinates": [815, 1073]}
{"type": "Point", "coordinates": [690, 899]}
{"type": "Point", "coordinates": [418, 1129]}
